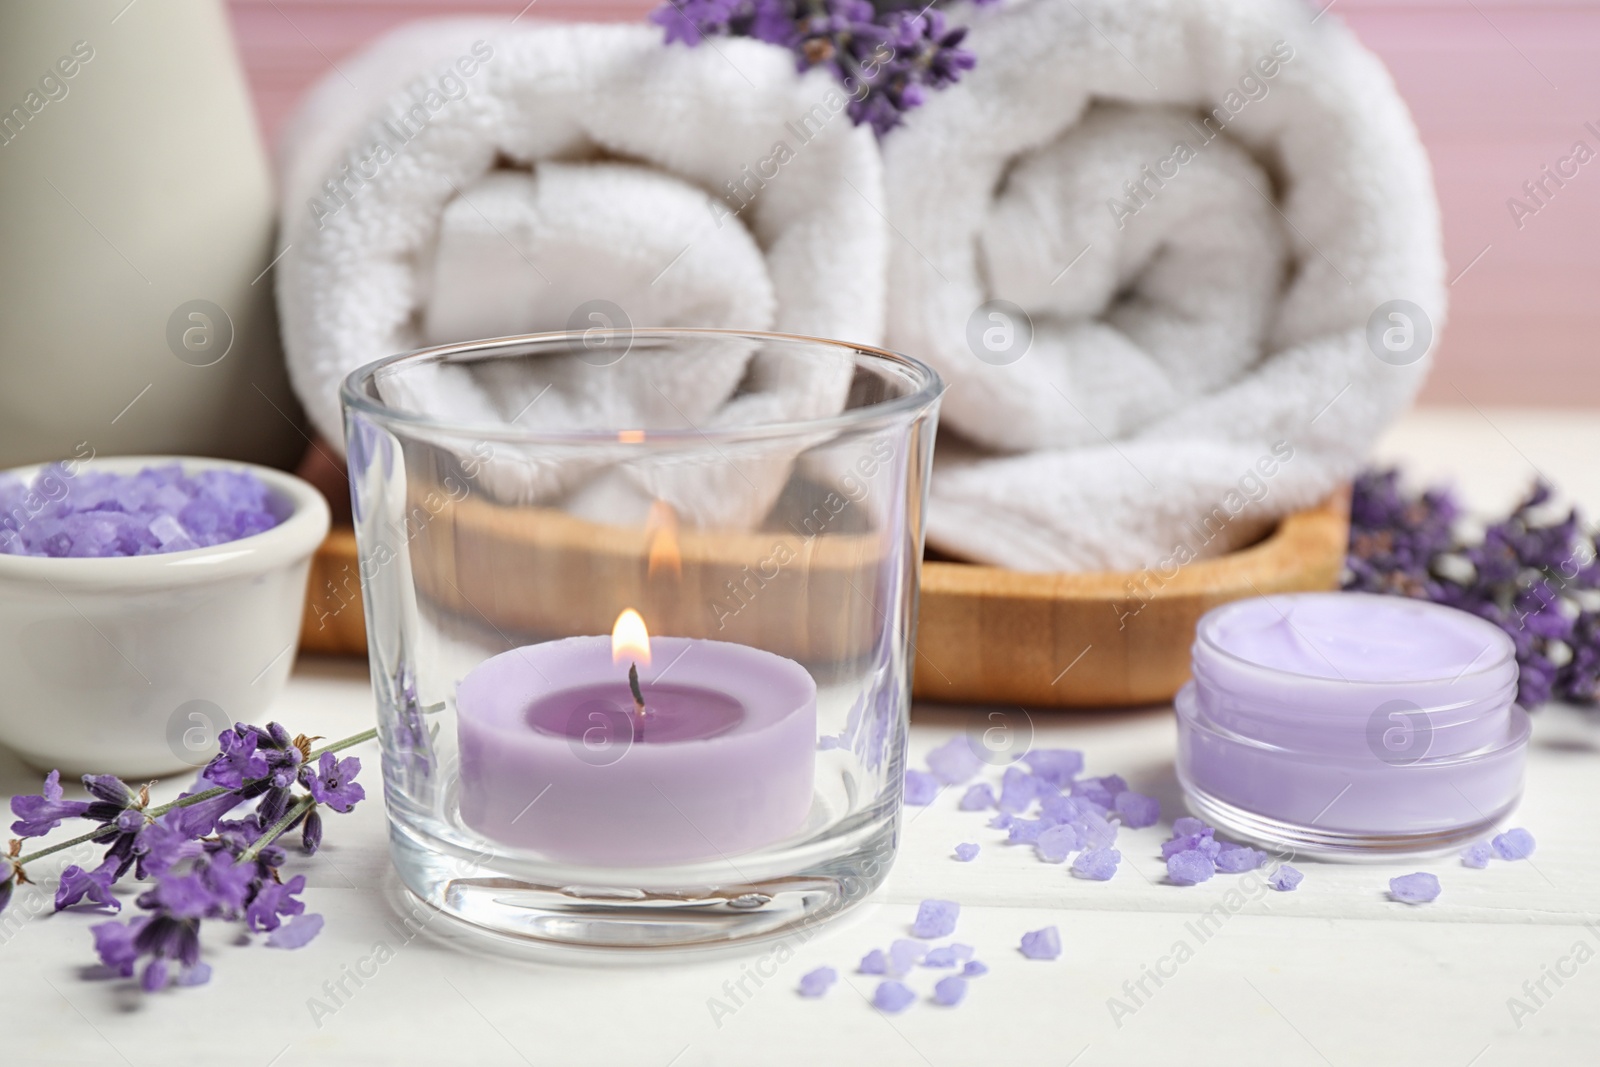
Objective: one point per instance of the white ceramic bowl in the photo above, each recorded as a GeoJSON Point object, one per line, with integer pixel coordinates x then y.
{"type": "Point", "coordinates": [131, 665]}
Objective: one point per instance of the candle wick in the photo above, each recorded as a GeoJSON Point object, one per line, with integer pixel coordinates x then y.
{"type": "Point", "coordinates": [633, 684]}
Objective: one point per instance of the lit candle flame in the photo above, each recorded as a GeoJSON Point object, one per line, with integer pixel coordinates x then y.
{"type": "Point", "coordinates": [663, 530]}
{"type": "Point", "coordinates": [630, 641]}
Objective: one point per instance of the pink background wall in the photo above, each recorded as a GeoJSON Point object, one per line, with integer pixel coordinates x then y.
{"type": "Point", "coordinates": [1500, 88]}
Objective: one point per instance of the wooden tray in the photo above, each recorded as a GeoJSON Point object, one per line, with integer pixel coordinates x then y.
{"type": "Point", "coordinates": [985, 635]}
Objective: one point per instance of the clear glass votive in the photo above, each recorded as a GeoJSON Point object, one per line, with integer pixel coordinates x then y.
{"type": "Point", "coordinates": [1351, 725]}
{"type": "Point", "coordinates": [639, 612]}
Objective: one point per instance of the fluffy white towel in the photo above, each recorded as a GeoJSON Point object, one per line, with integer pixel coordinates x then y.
{"type": "Point", "coordinates": [1200, 206]}
{"type": "Point", "coordinates": [461, 179]}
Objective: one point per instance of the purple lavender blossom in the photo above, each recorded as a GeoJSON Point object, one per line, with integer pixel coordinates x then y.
{"type": "Point", "coordinates": [885, 53]}
{"type": "Point", "coordinates": [1534, 577]}
{"type": "Point", "coordinates": [37, 815]}
{"type": "Point", "coordinates": [334, 784]}
{"type": "Point", "coordinates": [77, 885]}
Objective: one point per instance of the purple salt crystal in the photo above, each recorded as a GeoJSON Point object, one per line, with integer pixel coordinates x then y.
{"type": "Point", "coordinates": [1095, 792]}
{"type": "Point", "coordinates": [978, 797]}
{"type": "Point", "coordinates": [1066, 809]}
{"type": "Point", "coordinates": [905, 954]}
{"type": "Point", "coordinates": [935, 918]}
{"type": "Point", "coordinates": [1017, 790]}
{"type": "Point", "coordinates": [1058, 766]}
{"type": "Point", "coordinates": [974, 969]}
{"type": "Point", "coordinates": [817, 982]}
{"type": "Point", "coordinates": [921, 788]}
{"type": "Point", "coordinates": [1003, 821]}
{"type": "Point", "coordinates": [950, 991]}
{"type": "Point", "coordinates": [1191, 843]}
{"type": "Point", "coordinates": [1285, 879]}
{"type": "Point", "coordinates": [1190, 868]}
{"type": "Point", "coordinates": [947, 955]}
{"type": "Point", "coordinates": [1137, 810]}
{"type": "Point", "coordinates": [158, 509]}
{"type": "Point", "coordinates": [1188, 826]}
{"type": "Point", "coordinates": [1094, 831]}
{"type": "Point", "coordinates": [966, 852]}
{"type": "Point", "coordinates": [1514, 844]}
{"type": "Point", "coordinates": [1042, 944]}
{"type": "Point", "coordinates": [892, 997]}
{"type": "Point", "coordinates": [1055, 844]}
{"type": "Point", "coordinates": [1418, 888]}
{"type": "Point", "coordinates": [1478, 854]}
{"type": "Point", "coordinates": [1236, 859]}
{"type": "Point", "coordinates": [954, 761]}
{"type": "Point", "coordinates": [1026, 831]}
{"type": "Point", "coordinates": [874, 962]}
{"type": "Point", "coordinates": [1097, 864]}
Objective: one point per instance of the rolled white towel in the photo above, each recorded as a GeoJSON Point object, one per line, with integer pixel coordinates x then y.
{"type": "Point", "coordinates": [1201, 207]}
{"type": "Point", "coordinates": [460, 179]}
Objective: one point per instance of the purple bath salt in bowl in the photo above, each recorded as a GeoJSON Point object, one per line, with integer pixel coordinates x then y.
{"type": "Point", "coordinates": [62, 512]}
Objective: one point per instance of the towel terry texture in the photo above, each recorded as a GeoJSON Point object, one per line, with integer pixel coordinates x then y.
{"type": "Point", "coordinates": [1178, 260]}
{"type": "Point", "coordinates": [460, 179]}
{"type": "Point", "coordinates": [1200, 205]}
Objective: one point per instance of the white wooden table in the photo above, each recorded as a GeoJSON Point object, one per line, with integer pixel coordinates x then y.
{"type": "Point", "coordinates": [1334, 973]}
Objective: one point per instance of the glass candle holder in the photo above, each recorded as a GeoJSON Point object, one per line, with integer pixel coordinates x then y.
{"type": "Point", "coordinates": [1351, 725]}
{"type": "Point", "coordinates": [639, 612]}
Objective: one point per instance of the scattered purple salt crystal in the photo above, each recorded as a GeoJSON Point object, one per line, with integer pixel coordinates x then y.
{"type": "Point", "coordinates": [1094, 831]}
{"type": "Point", "coordinates": [1285, 879]}
{"type": "Point", "coordinates": [1003, 821]}
{"type": "Point", "coordinates": [1055, 844]}
{"type": "Point", "coordinates": [1018, 789]}
{"type": "Point", "coordinates": [1095, 792]}
{"type": "Point", "coordinates": [1042, 944]}
{"type": "Point", "coordinates": [874, 962]}
{"type": "Point", "coordinates": [1190, 867]}
{"type": "Point", "coordinates": [904, 954]}
{"type": "Point", "coordinates": [936, 918]}
{"type": "Point", "coordinates": [954, 761]}
{"type": "Point", "coordinates": [1191, 843]}
{"type": "Point", "coordinates": [974, 969]}
{"type": "Point", "coordinates": [1188, 826]}
{"type": "Point", "coordinates": [921, 788]}
{"type": "Point", "coordinates": [1478, 854]}
{"type": "Point", "coordinates": [1418, 888]}
{"type": "Point", "coordinates": [966, 852]}
{"type": "Point", "coordinates": [1059, 809]}
{"type": "Point", "coordinates": [1137, 810]}
{"type": "Point", "coordinates": [1026, 831]}
{"type": "Point", "coordinates": [1514, 844]}
{"type": "Point", "coordinates": [978, 797]}
{"type": "Point", "coordinates": [892, 997]}
{"type": "Point", "coordinates": [950, 991]}
{"type": "Point", "coordinates": [817, 982]}
{"type": "Point", "coordinates": [1058, 766]}
{"type": "Point", "coordinates": [948, 955]}
{"type": "Point", "coordinates": [1097, 864]}
{"type": "Point", "coordinates": [1236, 859]}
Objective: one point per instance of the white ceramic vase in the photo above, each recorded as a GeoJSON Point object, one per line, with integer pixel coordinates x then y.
{"type": "Point", "coordinates": [136, 220]}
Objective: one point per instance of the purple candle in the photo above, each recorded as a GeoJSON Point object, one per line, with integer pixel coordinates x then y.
{"type": "Point", "coordinates": [1351, 724]}
{"type": "Point", "coordinates": [579, 750]}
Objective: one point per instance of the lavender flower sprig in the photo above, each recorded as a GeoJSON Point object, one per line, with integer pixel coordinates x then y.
{"type": "Point", "coordinates": [201, 864]}
{"type": "Point", "coordinates": [1532, 574]}
{"type": "Point", "coordinates": [885, 52]}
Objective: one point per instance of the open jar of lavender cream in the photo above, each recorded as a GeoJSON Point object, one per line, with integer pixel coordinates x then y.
{"type": "Point", "coordinates": [1351, 725]}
